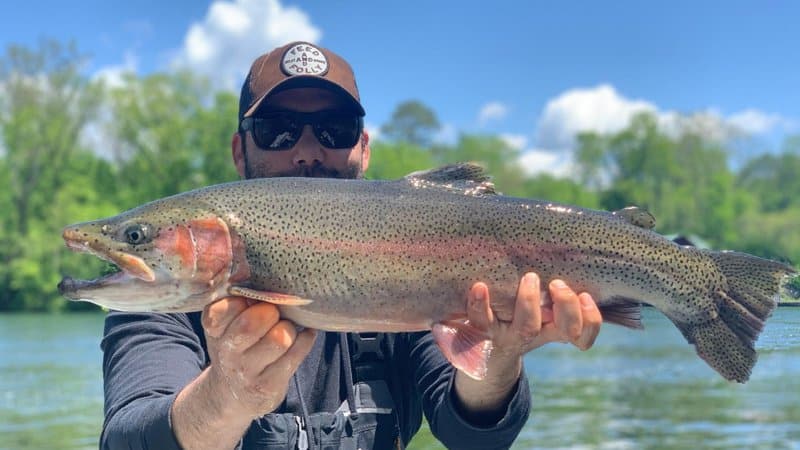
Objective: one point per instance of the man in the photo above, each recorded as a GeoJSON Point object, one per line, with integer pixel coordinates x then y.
{"type": "Point", "coordinates": [238, 376]}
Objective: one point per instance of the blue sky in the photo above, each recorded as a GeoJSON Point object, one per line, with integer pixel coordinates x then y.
{"type": "Point", "coordinates": [534, 72]}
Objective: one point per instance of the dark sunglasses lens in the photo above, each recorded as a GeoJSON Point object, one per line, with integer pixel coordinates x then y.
{"type": "Point", "coordinates": [338, 131]}
{"type": "Point", "coordinates": [276, 132]}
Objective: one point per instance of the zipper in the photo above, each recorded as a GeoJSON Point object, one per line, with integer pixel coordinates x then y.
{"type": "Point", "coordinates": [302, 434]}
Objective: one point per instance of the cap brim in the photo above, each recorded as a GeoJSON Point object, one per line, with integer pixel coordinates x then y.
{"type": "Point", "coordinates": [304, 82]}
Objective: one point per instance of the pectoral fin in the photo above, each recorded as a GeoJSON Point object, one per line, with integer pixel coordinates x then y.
{"type": "Point", "coordinates": [466, 347]}
{"type": "Point", "coordinates": [269, 297]}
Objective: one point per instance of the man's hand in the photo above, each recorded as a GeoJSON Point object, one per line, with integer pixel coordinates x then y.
{"type": "Point", "coordinates": [571, 318]}
{"type": "Point", "coordinates": [253, 352]}
{"type": "Point", "coordinates": [253, 357]}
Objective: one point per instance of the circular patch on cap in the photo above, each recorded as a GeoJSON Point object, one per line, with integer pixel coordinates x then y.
{"type": "Point", "coordinates": [304, 59]}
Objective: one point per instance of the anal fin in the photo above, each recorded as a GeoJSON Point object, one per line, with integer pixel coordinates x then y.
{"type": "Point", "coordinates": [466, 347]}
{"type": "Point", "coordinates": [627, 313]}
{"type": "Point", "coordinates": [269, 297]}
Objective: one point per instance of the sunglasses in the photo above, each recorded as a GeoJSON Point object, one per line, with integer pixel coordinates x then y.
{"type": "Point", "coordinates": [280, 130]}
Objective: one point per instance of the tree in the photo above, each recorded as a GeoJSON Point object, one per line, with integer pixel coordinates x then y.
{"type": "Point", "coordinates": [210, 137]}
{"type": "Point", "coordinates": [167, 135]}
{"type": "Point", "coordinates": [769, 227]}
{"type": "Point", "coordinates": [167, 141]}
{"type": "Point", "coordinates": [46, 106]}
{"type": "Point", "coordinates": [500, 160]}
{"type": "Point", "coordinates": [412, 122]}
{"type": "Point", "coordinates": [390, 161]}
{"type": "Point", "coordinates": [550, 188]}
{"type": "Point", "coordinates": [683, 180]}
{"type": "Point", "coordinates": [774, 179]}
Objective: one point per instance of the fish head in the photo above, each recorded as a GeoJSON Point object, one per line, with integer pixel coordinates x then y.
{"type": "Point", "coordinates": [170, 259]}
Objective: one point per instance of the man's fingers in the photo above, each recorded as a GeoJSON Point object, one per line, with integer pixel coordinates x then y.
{"type": "Point", "coordinates": [567, 311]}
{"type": "Point", "coordinates": [287, 364]}
{"type": "Point", "coordinates": [250, 326]}
{"type": "Point", "coordinates": [274, 344]}
{"type": "Point", "coordinates": [218, 315]}
{"type": "Point", "coordinates": [479, 311]}
{"type": "Point", "coordinates": [527, 320]}
{"type": "Point", "coordinates": [592, 320]}
{"type": "Point", "coordinates": [549, 333]}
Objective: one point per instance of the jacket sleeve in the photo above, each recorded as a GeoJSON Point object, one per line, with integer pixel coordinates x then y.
{"type": "Point", "coordinates": [147, 360]}
{"type": "Point", "coordinates": [435, 377]}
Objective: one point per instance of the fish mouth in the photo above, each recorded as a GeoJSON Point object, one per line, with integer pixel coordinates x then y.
{"type": "Point", "coordinates": [132, 267]}
{"type": "Point", "coordinates": [76, 289]}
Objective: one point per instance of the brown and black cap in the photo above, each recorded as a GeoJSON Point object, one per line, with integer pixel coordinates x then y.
{"type": "Point", "coordinates": [295, 65]}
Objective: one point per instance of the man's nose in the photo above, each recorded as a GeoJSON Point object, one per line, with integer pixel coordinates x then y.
{"type": "Point", "coordinates": [307, 150]}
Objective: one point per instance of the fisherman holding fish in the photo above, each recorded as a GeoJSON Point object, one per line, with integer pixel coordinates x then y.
{"type": "Point", "coordinates": [239, 375]}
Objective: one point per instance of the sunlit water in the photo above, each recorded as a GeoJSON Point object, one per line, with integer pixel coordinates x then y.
{"type": "Point", "coordinates": [632, 390]}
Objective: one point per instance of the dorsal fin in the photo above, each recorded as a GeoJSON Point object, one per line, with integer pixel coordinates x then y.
{"type": "Point", "coordinates": [463, 178]}
{"type": "Point", "coordinates": [452, 172]}
{"type": "Point", "coordinates": [637, 216]}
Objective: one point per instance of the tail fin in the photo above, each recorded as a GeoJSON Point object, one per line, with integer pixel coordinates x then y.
{"type": "Point", "coordinates": [747, 297]}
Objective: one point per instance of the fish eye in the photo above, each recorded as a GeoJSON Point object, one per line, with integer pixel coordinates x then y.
{"type": "Point", "coordinates": [136, 234]}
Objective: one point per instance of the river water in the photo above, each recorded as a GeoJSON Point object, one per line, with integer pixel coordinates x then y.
{"type": "Point", "coordinates": [632, 390]}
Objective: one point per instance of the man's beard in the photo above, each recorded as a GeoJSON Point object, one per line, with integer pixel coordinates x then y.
{"type": "Point", "coordinates": [316, 170]}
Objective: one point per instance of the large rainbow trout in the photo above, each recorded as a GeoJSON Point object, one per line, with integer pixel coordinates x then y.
{"type": "Point", "coordinates": [347, 255]}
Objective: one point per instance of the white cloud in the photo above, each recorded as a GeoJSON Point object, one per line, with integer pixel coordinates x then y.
{"type": "Point", "coordinates": [374, 131]}
{"type": "Point", "coordinates": [97, 135]}
{"type": "Point", "coordinates": [492, 111]}
{"type": "Point", "coordinates": [112, 76]}
{"type": "Point", "coordinates": [754, 121]}
{"type": "Point", "coordinates": [602, 109]}
{"type": "Point", "coordinates": [599, 109]}
{"type": "Point", "coordinates": [718, 127]}
{"type": "Point", "coordinates": [537, 161]}
{"type": "Point", "coordinates": [710, 123]}
{"type": "Point", "coordinates": [515, 141]}
{"type": "Point", "coordinates": [234, 33]}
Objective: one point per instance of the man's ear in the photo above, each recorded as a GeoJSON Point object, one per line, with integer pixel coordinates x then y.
{"type": "Point", "coordinates": [365, 151]}
{"type": "Point", "coordinates": [237, 151]}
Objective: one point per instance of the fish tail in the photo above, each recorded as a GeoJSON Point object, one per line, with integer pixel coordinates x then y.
{"type": "Point", "coordinates": [745, 299]}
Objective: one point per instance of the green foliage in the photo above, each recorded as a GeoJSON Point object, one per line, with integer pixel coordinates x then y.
{"type": "Point", "coordinates": [548, 187]}
{"type": "Point", "coordinates": [389, 161]}
{"type": "Point", "coordinates": [168, 136]}
{"type": "Point", "coordinates": [770, 234]}
{"type": "Point", "coordinates": [47, 104]}
{"type": "Point", "coordinates": [684, 181]}
{"type": "Point", "coordinates": [168, 140]}
{"type": "Point", "coordinates": [412, 122]}
{"type": "Point", "coordinates": [793, 289]}
{"type": "Point", "coordinates": [774, 178]}
{"type": "Point", "coordinates": [500, 160]}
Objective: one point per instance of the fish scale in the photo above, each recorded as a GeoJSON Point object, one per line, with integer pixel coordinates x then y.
{"type": "Point", "coordinates": [355, 255]}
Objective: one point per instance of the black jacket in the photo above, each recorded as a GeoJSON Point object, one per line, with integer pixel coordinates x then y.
{"type": "Point", "coordinates": [149, 358]}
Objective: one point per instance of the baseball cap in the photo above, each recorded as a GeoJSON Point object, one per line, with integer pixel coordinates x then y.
{"type": "Point", "coordinates": [295, 65]}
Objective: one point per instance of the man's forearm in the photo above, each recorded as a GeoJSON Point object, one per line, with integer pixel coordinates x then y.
{"type": "Point", "coordinates": [483, 403]}
{"type": "Point", "coordinates": [204, 418]}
